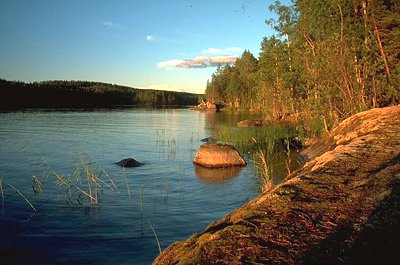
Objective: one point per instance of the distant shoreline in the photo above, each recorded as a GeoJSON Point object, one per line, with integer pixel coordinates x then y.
{"type": "Point", "coordinates": [85, 94]}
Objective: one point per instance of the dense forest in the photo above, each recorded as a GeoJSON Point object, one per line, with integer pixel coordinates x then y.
{"type": "Point", "coordinates": [328, 60]}
{"type": "Point", "coordinates": [84, 93]}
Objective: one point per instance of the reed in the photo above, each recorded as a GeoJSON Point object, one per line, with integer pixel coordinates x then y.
{"type": "Point", "coordinates": [141, 198]}
{"type": "Point", "coordinates": [264, 144]}
{"type": "Point", "coordinates": [288, 159]}
{"type": "Point", "coordinates": [37, 185]}
{"type": "Point", "coordinates": [126, 181]}
{"type": "Point", "coordinates": [2, 195]}
{"type": "Point", "coordinates": [22, 195]}
{"type": "Point", "coordinates": [72, 188]}
{"type": "Point", "coordinates": [87, 181]}
{"type": "Point", "coordinates": [262, 166]}
{"type": "Point", "coordinates": [155, 235]}
{"type": "Point", "coordinates": [269, 138]}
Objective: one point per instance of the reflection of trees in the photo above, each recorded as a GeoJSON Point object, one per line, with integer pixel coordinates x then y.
{"type": "Point", "coordinates": [213, 118]}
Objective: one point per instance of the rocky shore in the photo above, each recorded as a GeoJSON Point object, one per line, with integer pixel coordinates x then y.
{"type": "Point", "coordinates": [342, 207]}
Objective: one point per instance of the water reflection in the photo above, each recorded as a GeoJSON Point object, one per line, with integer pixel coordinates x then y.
{"type": "Point", "coordinates": [215, 176]}
{"type": "Point", "coordinates": [164, 192]}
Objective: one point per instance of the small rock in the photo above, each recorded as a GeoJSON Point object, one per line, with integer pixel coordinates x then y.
{"type": "Point", "coordinates": [129, 162]}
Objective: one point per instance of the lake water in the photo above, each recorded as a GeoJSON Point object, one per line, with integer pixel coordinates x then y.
{"type": "Point", "coordinates": [166, 199]}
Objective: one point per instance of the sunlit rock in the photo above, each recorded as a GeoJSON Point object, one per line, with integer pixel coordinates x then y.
{"type": "Point", "coordinates": [218, 155]}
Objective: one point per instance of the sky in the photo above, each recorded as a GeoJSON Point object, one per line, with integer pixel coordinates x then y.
{"type": "Point", "coordinates": [156, 44]}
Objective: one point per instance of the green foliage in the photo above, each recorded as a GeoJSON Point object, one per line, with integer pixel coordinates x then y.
{"type": "Point", "coordinates": [234, 85]}
{"type": "Point", "coordinates": [328, 60]}
{"type": "Point", "coordinates": [83, 187]}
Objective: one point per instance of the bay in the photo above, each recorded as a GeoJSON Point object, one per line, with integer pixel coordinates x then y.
{"type": "Point", "coordinates": [167, 193]}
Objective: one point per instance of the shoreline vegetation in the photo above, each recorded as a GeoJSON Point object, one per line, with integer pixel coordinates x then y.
{"type": "Point", "coordinates": [327, 61]}
{"type": "Point", "coordinates": [340, 208]}
{"type": "Point", "coordinates": [70, 94]}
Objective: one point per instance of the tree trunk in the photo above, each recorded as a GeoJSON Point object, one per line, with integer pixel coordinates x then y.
{"type": "Point", "coordinates": [378, 38]}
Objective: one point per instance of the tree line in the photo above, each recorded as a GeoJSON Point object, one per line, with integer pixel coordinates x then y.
{"type": "Point", "coordinates": [328, 59]}
{"type": "Point", "coordinates": [85, 93]}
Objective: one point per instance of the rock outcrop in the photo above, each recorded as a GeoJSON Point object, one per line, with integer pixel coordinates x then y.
{"type": "Point", "coordinates": [342, 207]}
{"type": "Point", "coordinates": [218, 155]}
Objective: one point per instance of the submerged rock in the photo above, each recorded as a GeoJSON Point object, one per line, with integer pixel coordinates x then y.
{"type": "Point", "coordinates": [129, 162]}
{"type": "Point", "coordinates": [218, 155]}
{"type": "Point", "coordinates": [342, 207]}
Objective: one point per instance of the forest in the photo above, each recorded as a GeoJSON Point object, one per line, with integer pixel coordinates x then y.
{"type": "Point", "coordinates": [16, 94]}
{"type": "Point", "coordinates": [327, 59]}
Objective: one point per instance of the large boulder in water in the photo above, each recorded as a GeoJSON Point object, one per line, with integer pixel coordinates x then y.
{"type": "Point", "coordinates": [218, 155]}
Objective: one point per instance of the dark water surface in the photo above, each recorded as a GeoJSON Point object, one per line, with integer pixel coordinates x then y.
{"type": "Point", "coordinates": [167, 192]}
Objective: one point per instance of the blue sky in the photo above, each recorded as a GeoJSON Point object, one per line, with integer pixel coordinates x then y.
{"type": "Point", "coordinates": [164, 44]}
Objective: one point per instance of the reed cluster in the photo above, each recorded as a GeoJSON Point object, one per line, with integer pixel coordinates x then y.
{"type": "Point", "coordinates": [264, 144]}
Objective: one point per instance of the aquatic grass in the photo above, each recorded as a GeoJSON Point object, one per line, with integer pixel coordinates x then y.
{"type": "Point", "coordinates": [91, 173]}
{"type": "Point", "coordinates": [126, 181]}
{"type": "Point", "coordinates": [37, 185]}
{"type": "Point", "coordinates": [2, 195]}
{"type": "Point", "coordinates": [265, 145]}
{"type": "Point", "coordinates": [141, 198]}
{"type": "Point", "coordinates": [71, 188]}
{"type": "Point", "coordinates": [155, 235]}
{"type": "Point", "coordinates": [87, 180]}
{"type": "Point", "coordinates": [269, 138]}
{"type": "Point", "coordinates": [262, 167]}
{"type": "Point", "coordinates": [22, 195]}
{"type": "Point", "coordinates": [288, 159]}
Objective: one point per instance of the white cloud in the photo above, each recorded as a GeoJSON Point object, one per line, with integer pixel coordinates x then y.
{"type": "Point", "coordinates": [150, 37]}
{"type": "Point", "coordinates": [198, 62]}
{"type": "Point", "coordinates": [222, 51]}
{"type": "Point", "coordinates": [169, 64]}
{"type": "Point", "coordinates": [235, 49]}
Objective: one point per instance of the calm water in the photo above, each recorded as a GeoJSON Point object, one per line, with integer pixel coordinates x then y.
{"type": "Point", "coordinates": [168, 191]}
